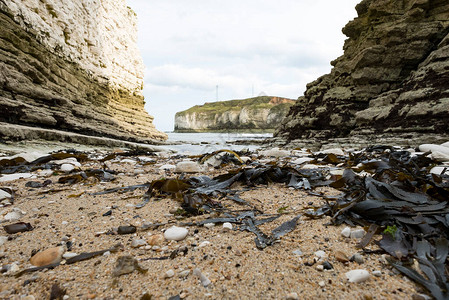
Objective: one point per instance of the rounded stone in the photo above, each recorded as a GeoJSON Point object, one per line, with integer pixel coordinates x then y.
{"type": "Point", "coordinates": [357, 276]}
{"type": "Point", "coordinates": [175, 233]}
{"type": "Point", "coordinates": [47, 257]}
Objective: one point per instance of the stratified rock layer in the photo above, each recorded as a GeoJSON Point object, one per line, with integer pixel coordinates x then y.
{"type": "Point", "coordinates": [392, 78]}
{"type": "Point", "coordinates": [73, 66]}
{"type": "Point", "coordinates": [262, 113]}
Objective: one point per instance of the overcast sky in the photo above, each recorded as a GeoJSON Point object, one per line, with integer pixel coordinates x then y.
{"type": "Point", "coordinates": [244, 46]}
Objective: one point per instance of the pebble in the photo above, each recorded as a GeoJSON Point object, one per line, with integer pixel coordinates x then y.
{"type": "Point", "coordinates": [357, 258]}
{"type": "Point", "coordinates": [68, 255]}
{"type": "Point", "coordinates": [188, 167]}
{"type": "Point", "coordinates": [209, 225]}
{"type": "Point", "coordinates": [167, 167]}
{"type": "Point", "coordinates": [125, 265]}
{"type": "Point", "coordinates": [297, 252]}
{"type": "Point", "coordinates": [377, 273]}
{"type": "Point", "coordinates": [440, 170]}
{"type": "Point", "coordinates": [227, 226]}
{"type": "Point", "coordinates": [156, 239]}
{"type": "Point", "coordinates": [320, 268]}
{"type": "Point", "coordinates": [3, 240]}
{"type": "Point", "coordinates": [4, 195]}
{"type": "Point", "coordinates": [321, 283]}
{"type": "Point", "coordinates": [204, 280]}
{"type": "Point", "coordinates": [14, 215]}
{"type": "Point", "coordinates": [336, 151]}
{"type": "Point", "coordinates": [434, 148]}
{"type": "Point", "coordinates": [320, 254]}
{"type": "Point", "coordinates": [175, 233]}
{"type": "Point", "coordinates": [357, 234]}
{"type": "Point", "coordinates": [126, 229]}
{"type": "Point", "coordinates": [47, 257]}
{"type": "Point", "coordinates": [203, 244]}
{"type": "Point", "coordinates": [128, 161]}
{"type": "Point", "coordinates": [45, 173]}
{"type": "Point", "coordinates": [169, 274]}
{"type": "Point", "coordinates": [327, 265]}
{"type": "Point", "coordinates": [184, 274]}
{"type": "Point", "coordinates": [67, 168]}
{"type": "Point", "coordinates": [341, 256]}
{"type": "Point", "coordinates": [357, 276]}
{"type": "Point", "coordinates": [292, 296]}
{"type": "Point", "coordinates": [138, 243]}
{"type": "Point", "coordinates": [346, 232]}
{"type": "Point", "coordinates": [10, 177]}
{"type": "Point", "coordinates": [302, 160]}
{"type": "Point", "coordinates": [275, 152]}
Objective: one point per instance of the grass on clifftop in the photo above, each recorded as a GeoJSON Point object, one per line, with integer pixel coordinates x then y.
{"type": "Point", "coordinates": [223, 106]}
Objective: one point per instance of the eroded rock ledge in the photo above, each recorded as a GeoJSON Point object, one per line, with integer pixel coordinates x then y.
{"type": "Point", "coordinates": [73, 66]}
{"type": "Point", "coordinates": [392, 79]}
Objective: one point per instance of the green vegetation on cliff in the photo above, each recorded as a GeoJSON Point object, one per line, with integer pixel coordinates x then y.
{"type": "Point", "coordinates": [260, 113]}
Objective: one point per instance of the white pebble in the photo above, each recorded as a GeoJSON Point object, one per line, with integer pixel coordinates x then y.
{"type": "Point", "coordinates": [204, 280]}
{"type": "Point", "coordinates": [3, 240]}
{"type": "Point", "coordinates": [4, 195]}
{"type": "Point", "coordinates": [297, 252]}
{"type": "Point", "coordinates": [320, 254]}
{"type": "Point", "coordinates": [346, 232]}
{"type": "Point", "coordinates": [203, 244]}
{"type": "Point", "coordinates": [209, 225]}
{"type": "Point", "coordinates": [138, 243]}
{"type": "Point", "coordinates": [321, 283]}
{"type": "Point", "coordinates": [357, 276]}
{"type": "Point", "coordinates": [292, 296]}
{"type": "Point", "coordinates": [169, 274]}
{"type": "Point", "coordinates": [107, 253]}
{"type": "Point", "coordinates": [357, 234]}
{"type": "Point", "coordinates": [227, 226]}
{"type": "Point", "coordinates": [184, 274]}
{"type": "Point", "coordinates": [64, 223]}
{"type": "Point", "coordinates": [68, 255]}
{"type": "Point", "coordinates": [67, 168]}
{"type": "Point", "coordinates": [175, 233]}
{"type": "Point", "coordinates": [320, 268]}
{"type": "Point", "coordinates": [377, 273]}
{"type": "Point", "coordinates": [188, 167]}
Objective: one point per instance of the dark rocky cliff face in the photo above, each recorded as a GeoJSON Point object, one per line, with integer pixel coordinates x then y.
{"type": "Point", "coordinates": [47, 81]}
{"type": "Point", "coordinates": [392, 78]}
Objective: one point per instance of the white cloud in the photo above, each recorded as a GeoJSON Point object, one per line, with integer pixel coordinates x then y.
{"type": "Point", "coordinates": [279, 46]}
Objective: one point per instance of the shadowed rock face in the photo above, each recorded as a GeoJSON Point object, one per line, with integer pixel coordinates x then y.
{"type": "Point", "coordinates": [73, 66]}
{"type": "Point", "coordinates": [392, 78]}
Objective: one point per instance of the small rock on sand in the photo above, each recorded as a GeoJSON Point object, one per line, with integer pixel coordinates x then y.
{"type": "Point", "coordinates": [175, 233]}
{"type": "Point", "coordinates": [188, 167]}
{"type": "Point", "coordinates": [47, 257]}
{"type": "Point", "coordinates": [357, 276]}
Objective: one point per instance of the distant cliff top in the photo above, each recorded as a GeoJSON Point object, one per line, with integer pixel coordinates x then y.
{"type": "Point", "coordinates": [260, 113]}
{"type": "Point", "coordinates": [222, 106]}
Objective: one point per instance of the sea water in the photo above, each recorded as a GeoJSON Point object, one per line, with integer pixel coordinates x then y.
{"type": "Point", "coordinates": [199, 143]}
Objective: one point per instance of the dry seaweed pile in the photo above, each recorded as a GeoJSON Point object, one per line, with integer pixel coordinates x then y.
{"type": "Point", "coordinates": [395, 195]}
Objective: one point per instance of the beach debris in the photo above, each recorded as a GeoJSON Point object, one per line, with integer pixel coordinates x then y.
{"type": "Point", "coordinates": [341, 256]}
{"type": "Point", "coordinates": [125, 265]}
{"type": "Point", "coordinates": [18, 227]}
{"type": "Point", "coordinates": [357, 276]}
{"type": "Point", "coordinates": [136, 243]}
{"type": "Point", "coordinates": [188, 167]}
{"type": "Point", "coordinates": [127, 229]}
{"type": "Point", "coordinates": [203, 279]}
{"type": "Point", "coordinates": [14, 215]}
{"type": "Point", "coordinates": [175, 233]}
{"type": "Point", "coordinates": [227, 226]}
{"type": "Point", "coordinates": [56, 292]}
{"type": "Point", "coordinates": [48, 257]}
{"type": "Point", "coordinates": [221, 158]}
